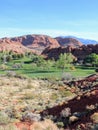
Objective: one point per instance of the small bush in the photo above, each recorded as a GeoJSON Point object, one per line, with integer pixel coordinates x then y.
{"type": "Point", "coordinates": [54, 96]}
{"type": "Point", "coordinates": [60, 124]}
{"type": "Point", "coordinates": [29, 116]}
{"type": "Point", "coordinates": [4, 119]}
{"type": "Point", "coordinates": [3, 67]}
{"type": "Point", "coordinates": [27, 96]}
{"type": "Point", "coordinates": [66, 112]}
{"type": "Point", "coordinates": [67, 76]}
{"type": "Point", "coordinates": [11, 73]}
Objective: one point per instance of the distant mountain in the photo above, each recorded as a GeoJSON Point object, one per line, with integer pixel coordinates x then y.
{"type": "Point", "coordinates": [87, 41]}
{"type": "Point", "coordinates": [82, 40]}
{"type": "Point", "coordinates": [69, 41]}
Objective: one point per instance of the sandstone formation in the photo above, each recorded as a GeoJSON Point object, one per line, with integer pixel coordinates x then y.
{"type": "Point", "coordinates": [36, 42]}
{"type": "Point", "coordinates": [7, 44]}
{"type": "Point", "coordinates": [48, 46]}
{"type": "Point", "coordinates": [84, 50]}
{"type": "Point", "coordinates": [80, 53]}
{"type": "Point", "coordinates": [33, 43]}
{"type": "Point", "coordinates": [53, 53]}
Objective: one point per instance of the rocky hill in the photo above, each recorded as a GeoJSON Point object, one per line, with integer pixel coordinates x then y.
{"type": "Point", "coordinates": [35, 43]}
{"type": "Point", "coordinates": [46, 45]}
{"type": "Point", "coordinates": [69, 42]}
{"type": "Point", "coordinates": [6, 44]}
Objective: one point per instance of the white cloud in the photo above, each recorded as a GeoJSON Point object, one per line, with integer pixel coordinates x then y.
{"type": "Point", "coordinates": [11, 32]}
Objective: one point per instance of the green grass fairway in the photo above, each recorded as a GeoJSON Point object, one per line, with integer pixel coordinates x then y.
{"type": "Point", "coordinates": [28, 69]}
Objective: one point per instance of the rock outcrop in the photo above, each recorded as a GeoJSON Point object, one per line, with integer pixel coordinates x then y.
{"type": "Point", "coordinates": [53, 53]}
{"type": "Point", "coordinates": [6, 44]}
{"type": "Point", "coordinates": [80, 53]}
{"type": "Point", "coordinates": [84, 50]}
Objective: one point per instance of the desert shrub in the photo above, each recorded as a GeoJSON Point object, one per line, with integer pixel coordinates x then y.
{"type": "Point", "coordinates": [8, 127]}
{"type": "Point", "coordinates": [29, 116]}
{"type": "Point", "coordinates": [60, 83]}
{"type": "Point", "coordinates": [27, 96]}
{"type": "Point", "coordinates": [11, 73]}
{"type": "Point", "coordinates": [3, 67]}
{"type": "Point", "coordinates": [65, 112]}
{"type": "Point", "coordinates": [11, 112]}
{"type": "Point", "coordinates": [65, 93]}
{"type": "Point", "coordinates": [17, 66]}
{"type": "Point", "coordinates": [4, 119]}
{"type": "Point", "coordinates": [44, 125]}
{"type": "Point", "coordinates": [66, 76]}
{"type": "Point", "coordinates": [64, 116]}
{"type": "Point", "coordinates": [54, 96]}
{"type": "Point", "coordinates": [8, 58]}
{"type": "Point", "coordinates": [29, 84]}
{"type": "Point", "coordinates": [21, 76]}
{"type": "Point", "coordinates": [60, 124]}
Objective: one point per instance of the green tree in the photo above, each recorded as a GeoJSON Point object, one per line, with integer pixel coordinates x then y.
{"type": "Point", "coordinates": [6, 58]}
{"type": "Point", "coordinates": [92, 59]}
{"type": "Point", "coordinates": [49, 64]}
{"type": "Point", "coordinates": [64, 60]}
{"type": "Point", "coordinates": [38, 60]}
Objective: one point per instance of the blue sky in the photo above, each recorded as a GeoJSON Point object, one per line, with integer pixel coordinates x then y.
{"type": "Point", "coordinates": [50, 17]}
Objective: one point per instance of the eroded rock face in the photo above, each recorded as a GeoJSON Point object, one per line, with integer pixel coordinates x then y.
{"type": "Point", "coordinates": [53, 53]}
{"type": "Point", "coordinates": [69, 42]}
{"type": "Point", "coordinates": [80, 53]}
{"type": "Point", "coordinates": [34, 43]}
{"type": "Point", "coordinates": [48, 46]}
{"type": "Point", "coordinates": [37, 42]}
{"type": "Point", "coordinates": [84, 50]}
{"type": "Point", "coordinates": [6, 44]}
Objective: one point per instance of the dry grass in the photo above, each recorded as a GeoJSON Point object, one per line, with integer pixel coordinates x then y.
{"type": "Point", "coordinates": [8, 127]}
{"type": "Point", "coordinates": [44, 125]}
{"type": "Point", "coordinates": [23, 95]}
